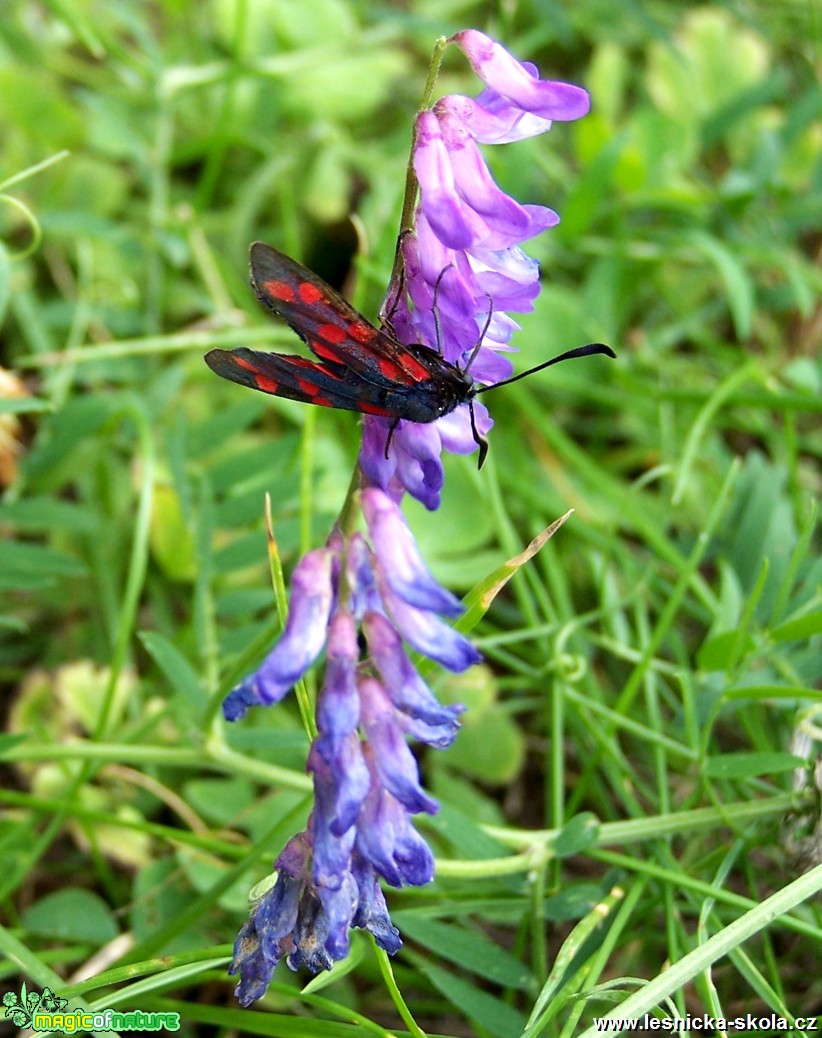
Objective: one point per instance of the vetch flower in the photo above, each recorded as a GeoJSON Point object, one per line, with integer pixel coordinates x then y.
{"type": "Point", "coordinates": [301, 642]}
{"type": "Point", "coordinates": [367, 594]}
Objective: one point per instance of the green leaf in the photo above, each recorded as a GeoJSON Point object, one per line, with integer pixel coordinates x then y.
{"type": "Point", "coordinates": [746, 765]}
{"type": "Point", "coordinates": [220, 800]}
{"type": "Point", "coordinates": [5, 281]}
{"type": "Point", "coordinates": [490, 746]}
{"type": "Point", "coordinates": [72, 915]}
{"type": "Point", "coordinates": [22, 560]}
{"type": "Point", "coordinates": [738, 285]}
{"type": "Point", "coordinates": [464, 835]}
{"type": "Point", "coordinates": [469, 949]}
{"type": "Point", "coordinates": [41, 514]}
{"type": "Point", "coordinates": [479, 599]}
{"type": "Point", "coordinates": [574, 902]}
{"type": "Point", "coordinates": [802, 627]}
{"type": "Point", "coordinates": [491, 1014]}
{"type": "Point", "coordinates": [717, 652]}
{"type": "Point", "coordinates": [172, 539]}
{"type": "Point", "coordinates": [577, 835]}
{"type": "Point", "coordinates": [181, 675]}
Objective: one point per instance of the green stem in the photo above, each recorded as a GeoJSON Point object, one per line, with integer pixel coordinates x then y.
{"type": "Point", "coordinates": [411, 185]}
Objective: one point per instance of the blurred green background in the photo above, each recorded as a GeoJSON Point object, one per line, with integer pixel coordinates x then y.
{"type": "Point", "coordinates": [661, 655]}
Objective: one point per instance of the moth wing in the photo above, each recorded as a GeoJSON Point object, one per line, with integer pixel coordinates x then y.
{"type": "Point", "coordinates": [297, 378]}
{"type": "Point", "coordinates": [331, 328]}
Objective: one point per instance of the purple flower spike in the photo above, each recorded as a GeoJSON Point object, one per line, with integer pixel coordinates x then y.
{"type": "Point", "coordinates": [301, 642]}
{"type": "Point", "coordinates": [369, 593]}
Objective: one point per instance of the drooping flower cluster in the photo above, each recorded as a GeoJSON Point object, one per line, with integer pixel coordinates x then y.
{"type": "Point", "coordinates": [361, 597]}
{"type": "Point", "coordinates": [366, 781]}
{"type": "Point", "coordinates": [464, 249]}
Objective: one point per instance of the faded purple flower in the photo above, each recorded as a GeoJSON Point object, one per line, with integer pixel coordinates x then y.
{"type": "Point", "coordinates": [366, 779]}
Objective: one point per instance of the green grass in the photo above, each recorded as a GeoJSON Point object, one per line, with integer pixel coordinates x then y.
{"type": "Point", "coordinates": [629, 812]}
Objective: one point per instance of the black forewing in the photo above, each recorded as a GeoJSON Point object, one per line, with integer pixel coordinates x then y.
{"type": "Point", "coordinates": [329, 325]}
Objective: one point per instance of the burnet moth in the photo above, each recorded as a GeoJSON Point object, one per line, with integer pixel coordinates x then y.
{"type": "Point", "coordinates": [361, 368]}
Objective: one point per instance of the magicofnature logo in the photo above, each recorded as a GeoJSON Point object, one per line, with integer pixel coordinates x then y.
{"type": "Point", "coordinates": [45, 1012]}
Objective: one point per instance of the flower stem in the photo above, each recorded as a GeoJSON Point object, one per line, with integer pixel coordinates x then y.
{"type": "Point", "coordinates": [411, 185]}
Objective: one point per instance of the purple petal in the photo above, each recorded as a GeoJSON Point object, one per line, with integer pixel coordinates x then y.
{"type": "Point", "coordinates": [240, 698]}
{"type": "Point", "coordinates": [393, 761]}
{"type": "Point", "coordinates": [349, 779]}
{"type": "Point", "coordinates": [419, 467]}
{"type": "Point", "coordinates": [339, 904]}
{"type": "Point", "coordinates": [300, 643]}
{"type": "Point", "coordinates": [505, 235]}
{"type": "Point", "coordinates": [507, 293]}
{"type": "Point", "coordinates": [390, 843]}
{"type": "Point", "coordinates": [266, 936]}
{"type": "Point", "coordinates": [440, 200]}
{"type": "Point", "coordinates": [429, 263]}
{"type": "Point", "coordinates": [491, 119]}
{"type": "Point", "coordinates": [362, 579]}
{"type": "Point", "coordinates": [429, 635]}
{"type": "Point", "coordinates": [377, 469]}
{"type": "Point", "coordinates": [473, 181]}
{"type": "Point", "coordinates": [372, 911]}
{"type": "Point", "coordinates": [503, 73]}
{"type": "Point", "coordinates": [455, 429]}
{"type": "Point", "coordinates": [513, 263]}
{"type": "Point", "coordinates": [407, 690]}
{"type": "Point", "coordinates": [398, 557]}
{"type": "Point", "coordinates": [489, 368]}
{"type": "Point", "coordinates": [332, 849]}
{"type": "Point", "coordinates": [338, 708]}
{"type": "Point", "coordinates": [310, 937]}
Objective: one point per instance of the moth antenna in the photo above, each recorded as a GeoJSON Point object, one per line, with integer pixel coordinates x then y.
{"type": "Point", "coordinates": [478, 344]}
{"type": "Point", "coordinates": [590, 350]}
{"type": "Point", "coordinates": [435, 312]}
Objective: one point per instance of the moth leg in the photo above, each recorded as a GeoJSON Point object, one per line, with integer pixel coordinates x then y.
{"type": "Point", "coordinates": [479, 439]}
{"type": "Point", "coordinates": [390, 435]}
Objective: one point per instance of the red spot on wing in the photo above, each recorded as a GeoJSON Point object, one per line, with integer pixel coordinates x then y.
{"type": "Point", "coordinates": [308, 387]}
{"type": "Point", "coordinates": [262, 382]}
{"type": "Point", "coordinates": [331, 333]}
{"type": "Point", "coordinates": [415, 368]}
{"type": "Point", "coordinates": [280, 290]}
{"type": "Point", "coordinates": [406, 370]}
{"type": "Point", "coordinates": [361, 332]}
{"type": "Point", "coordinates": [309, 293]}
{"type": "Point", "coordinates": [374, 409]}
